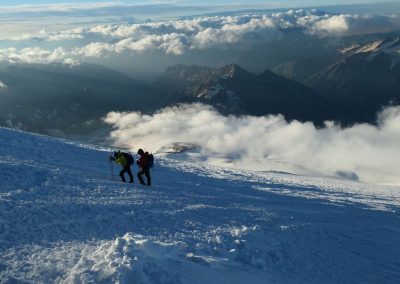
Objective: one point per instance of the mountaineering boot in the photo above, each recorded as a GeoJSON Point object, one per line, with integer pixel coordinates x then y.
{"type": "Point", "coordinates": [122, 177]}
{"type": "Point", "coordinates": [140, 178]}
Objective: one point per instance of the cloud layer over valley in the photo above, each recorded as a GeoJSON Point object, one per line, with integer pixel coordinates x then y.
{"type": "Point", "coordinates": [363, 151]}
{"type": "Point", "coordinates": [179, 37]}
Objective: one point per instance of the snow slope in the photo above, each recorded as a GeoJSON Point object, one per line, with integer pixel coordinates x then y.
{"type": "Point", "coordinates": [64, 220]}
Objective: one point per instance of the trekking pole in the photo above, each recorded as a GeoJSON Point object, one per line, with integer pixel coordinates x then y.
{"type": "Point", "coordinates": [112, 170]}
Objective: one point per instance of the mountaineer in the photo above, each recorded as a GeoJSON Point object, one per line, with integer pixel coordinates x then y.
{"type": "Point", "coordinates": [145, 162]}
{"type": "Point", "coordinates": [125, 160]}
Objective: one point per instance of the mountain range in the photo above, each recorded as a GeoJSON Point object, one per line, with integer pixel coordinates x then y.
{"type": "Point", "coordinates": [64, 100]}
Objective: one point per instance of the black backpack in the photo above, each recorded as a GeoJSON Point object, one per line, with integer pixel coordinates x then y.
{"type": "Point", "coordinates": [150, 161]}
{"type": "Point", "coordinates": [129, 158]}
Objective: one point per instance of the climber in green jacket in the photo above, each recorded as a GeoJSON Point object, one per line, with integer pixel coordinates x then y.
{"type": "Point", "coordinates": [125, 160]}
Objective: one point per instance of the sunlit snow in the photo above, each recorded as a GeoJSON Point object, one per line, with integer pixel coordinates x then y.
{"type": "Point", "coordinates": [64, 220]}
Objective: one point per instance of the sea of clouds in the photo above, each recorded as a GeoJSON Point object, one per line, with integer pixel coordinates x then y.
{"type": "Point", "coordinates": [363, 152]}
{"type": "Point", "coordinates": [179, 37]}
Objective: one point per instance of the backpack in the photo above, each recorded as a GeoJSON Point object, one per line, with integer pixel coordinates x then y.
{"type": "Point", "coordinates": [129, 158]}
{"type": "Point", "coordinates": [150, 161]}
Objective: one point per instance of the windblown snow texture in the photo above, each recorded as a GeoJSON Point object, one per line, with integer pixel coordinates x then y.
{"type": "Point", "coordinates": [63, 220]}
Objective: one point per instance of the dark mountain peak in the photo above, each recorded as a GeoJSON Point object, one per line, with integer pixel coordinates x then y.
{"type": "Point", "coordinates": [234, 70]}
{"type": "Point", "coordinates": [268, 74]}
{"type": "Point", "coordinates": [194, 74]}
{"type": "Point", "coordinates": [269, 77]}
{"type": "Point", "coordinates": [183, 72]}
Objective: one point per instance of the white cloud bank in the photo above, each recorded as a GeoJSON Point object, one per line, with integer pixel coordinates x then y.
{"type": "Point", "coordinates": [219, 31]}
{"type": "Point", "coordinates": [370, 153]}
{"type": "Point", "coordinates": [36, 55]}
{"type": "Point", "coordinates": [180, 36]}
{"type": "Point", "coordinates": [354, 24]}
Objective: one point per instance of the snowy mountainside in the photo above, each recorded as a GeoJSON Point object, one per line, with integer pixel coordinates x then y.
{"type": "Point", "coordinates": [387, 45]}
{"type": "Point", "coordinates": [64, 220]}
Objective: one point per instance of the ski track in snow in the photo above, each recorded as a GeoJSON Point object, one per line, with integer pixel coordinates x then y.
{"type": "Point", "coordinates": [63, 220]}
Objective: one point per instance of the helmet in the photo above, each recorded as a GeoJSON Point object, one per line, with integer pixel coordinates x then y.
{"type": "Point", "coordinates": [116, 154]}
{"type": "Point", "coordinates": [140, 152]}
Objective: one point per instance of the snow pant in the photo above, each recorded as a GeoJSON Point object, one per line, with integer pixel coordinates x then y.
{"type": "Point", "coordinates": [126, 169]}
{"type": "Point", "coordinates": [144, 171]}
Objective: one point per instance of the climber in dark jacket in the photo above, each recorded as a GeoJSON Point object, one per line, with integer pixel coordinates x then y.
{"type": "Point", "coordinates": [144, 169]}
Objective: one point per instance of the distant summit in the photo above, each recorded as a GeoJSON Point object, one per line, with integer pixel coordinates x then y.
{"type": "Point", "coordinates": [367, 79]}
{"type": "Point", "coordinates": [233, 90]}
